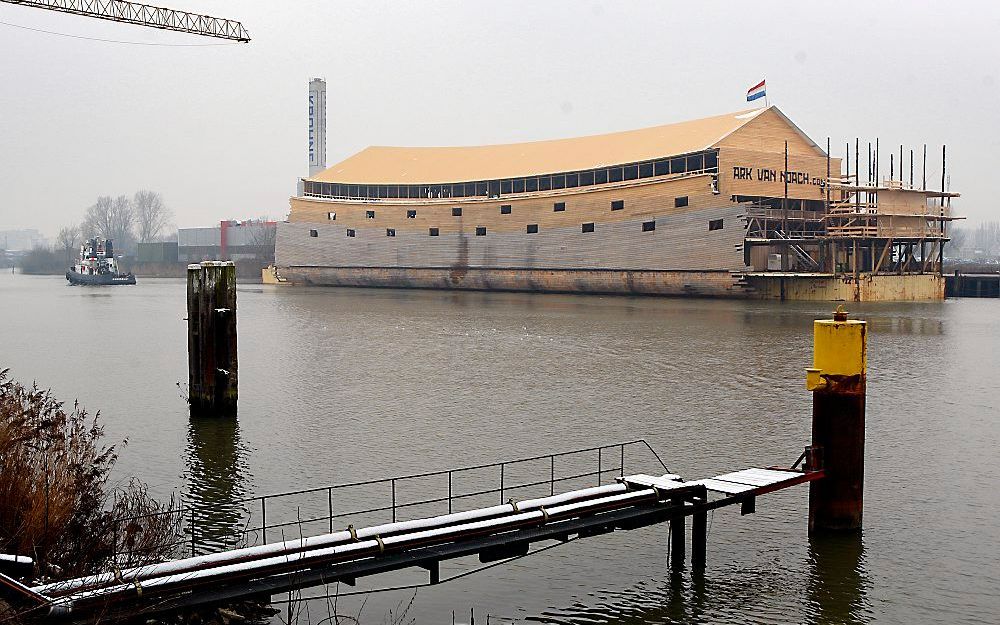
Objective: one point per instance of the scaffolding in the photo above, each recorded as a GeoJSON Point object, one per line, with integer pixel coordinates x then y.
{"type": "Point", "coordinates": [869, 227]}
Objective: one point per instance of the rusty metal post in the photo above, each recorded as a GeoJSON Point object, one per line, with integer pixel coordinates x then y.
{"type": "Point", "coordinates": [212, 363]}
{"type": "Point", "coordinates": [837, 380]}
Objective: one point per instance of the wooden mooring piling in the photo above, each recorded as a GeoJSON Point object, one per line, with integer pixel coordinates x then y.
{"type": "Point", "coordinates": [212, 362]}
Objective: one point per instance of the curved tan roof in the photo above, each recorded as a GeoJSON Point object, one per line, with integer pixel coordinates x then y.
{"type": "Point", "coordinates": [419, 165]}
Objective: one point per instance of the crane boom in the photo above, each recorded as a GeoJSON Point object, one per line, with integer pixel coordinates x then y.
{"type": "Point", "coordinates": [146, 15]}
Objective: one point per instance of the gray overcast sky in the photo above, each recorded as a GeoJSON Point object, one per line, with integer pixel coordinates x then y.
{"type": "Point", "coordinates": [220, 131]}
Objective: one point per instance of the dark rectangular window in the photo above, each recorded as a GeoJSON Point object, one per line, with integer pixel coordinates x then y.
{"type": "Point", "coordinates": [586, 178]}
{"type": "Point", "coordinates": [480, 231]}
{"type": "Point", "coordinates": [587, 227]}
{"type": "Point", "coordinates": [558, 182]}
{"type": "Point", "coordinates": [413, 191]}
{"type": "Point", "coordinates": [519, 185]}
{"type": "Point", "coordinates": [505, 209]}
{"type": "Point", "coordinates": [390, 232]}
{"type": "Point", "coordinates": [695, 163]}
{"type": "Point", "coordinates": [631, 172]}
{"type": "Point", "coordinates": [433, 232]}
{"type": "Point", "coordinates": [715, 224]}
{"type": "Point", "coordinates": [411, 214]}
{"type": "Point", "coordinates": [601, 176]}
{"type": "Point", "coordinates": [559, 207]}
{"type": "Point", "coordinates": [504, 186]}
{"type": "Point", "coordinates": [544, 183]}
{"type": "Point", "coordinates": [680, 201]}
{"type": "Point", "coordinates": [617, 205]}
{"type": "Point", "coordinates": [711, 160]}
{"type": "Point", "coordinates": [661, 168]}
{"type": "Point", "coordinates": [481, 188]}
{"type": "Point", "coordinates": [615, 174]}
{"type": "Point", "coordinates": [531, 185]}
{"type": "Point", "coordinates": [532, 228]}
{"type": "Point", "coordinates": [383, 191]}
{"type": "Point", "coordinates": [313, 233]}
{"type": "Point", "coordinates": [456, 212]}
{"type": "Point", "coordinates": [350, 232]}
{"type": "Point", "coordinates": [648, 226]}
{"type": "Point", "coordinates": [352, 190]}
{"type": "Point", "coordinates": [331, 216]}
{"type": "Point", "coordinates": [645, 170]}
{"type": "Point", "coordinates": [370, 214]}
{"type": "Point", "coordinates": [572, 180]}
{"type": "Point", "coordinates": [394, 191]}
{"type": "Point", "coordinates": [677, 166]}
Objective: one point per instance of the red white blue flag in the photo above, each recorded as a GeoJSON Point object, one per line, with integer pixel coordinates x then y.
{"type": "Point", "coordinates": [757, 91]}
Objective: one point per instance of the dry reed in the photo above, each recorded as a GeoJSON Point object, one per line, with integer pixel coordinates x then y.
{"type": "Point", "coordinates": [55, 501]}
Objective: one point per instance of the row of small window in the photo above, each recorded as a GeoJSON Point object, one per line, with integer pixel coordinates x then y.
{"type": "Point", "coordinates": [692, 163]}
{"type": "Point", "coordinates": [647, 226]}
{"type": "Point", "coordinates": [505, 209]}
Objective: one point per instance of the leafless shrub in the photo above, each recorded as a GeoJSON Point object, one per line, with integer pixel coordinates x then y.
{"type": "Point", "coordinates": [55, 503]}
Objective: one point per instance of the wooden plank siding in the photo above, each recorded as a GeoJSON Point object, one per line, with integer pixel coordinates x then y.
{"type": "Point", "coordinates": [768, 132]}
{"type": "Point", "coordinates": [642, 198]}
{"type": "Point", "coordinates": [681, 241]}
{"type": "Point", "coordinates": [810, 164]}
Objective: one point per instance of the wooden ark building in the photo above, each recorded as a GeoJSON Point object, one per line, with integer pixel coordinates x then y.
{"type": "Point", "coordinates": [739, 205]}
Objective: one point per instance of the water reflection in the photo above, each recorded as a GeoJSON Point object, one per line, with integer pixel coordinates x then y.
{"type": "Point", "coordinates": [216, 475]}
{"type": "Point", "coordinates": [838, 580]}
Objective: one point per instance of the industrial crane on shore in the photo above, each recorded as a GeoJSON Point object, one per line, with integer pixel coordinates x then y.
{"type": "Point", "coordinates": [146, 15]}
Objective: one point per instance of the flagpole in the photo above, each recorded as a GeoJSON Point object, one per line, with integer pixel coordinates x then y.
{"type": "Point", "coordinates": [765, 93]}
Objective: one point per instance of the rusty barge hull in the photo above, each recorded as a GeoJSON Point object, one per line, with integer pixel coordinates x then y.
{"type": "Point", "coordinates": [589, 281]}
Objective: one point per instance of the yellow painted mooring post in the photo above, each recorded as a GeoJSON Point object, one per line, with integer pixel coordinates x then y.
{"type": "Point", "coordinates": [837, 380]}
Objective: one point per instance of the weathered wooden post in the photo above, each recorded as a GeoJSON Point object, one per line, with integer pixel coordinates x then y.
{"type": "Point", "coordinates": [837, 380]}
{"type": "Point", "coordinates": [212, 365]}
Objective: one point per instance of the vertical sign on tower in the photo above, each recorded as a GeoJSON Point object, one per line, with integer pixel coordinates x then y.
{"type": "Point", "coordinates": [317, 126]}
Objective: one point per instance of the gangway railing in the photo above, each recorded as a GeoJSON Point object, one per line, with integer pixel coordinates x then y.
{"type": "Point", "coordinates": [210, 527]}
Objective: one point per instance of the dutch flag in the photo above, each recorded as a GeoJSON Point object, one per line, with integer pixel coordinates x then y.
{"type": "Point", "coordinates": [757, 91]}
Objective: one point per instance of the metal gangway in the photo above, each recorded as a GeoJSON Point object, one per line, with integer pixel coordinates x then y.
{"type": "Point", "coordinates": [521, 516]}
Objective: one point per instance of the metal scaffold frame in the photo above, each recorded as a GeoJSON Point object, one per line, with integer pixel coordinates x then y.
{"type": "Point", "coordinates": [146, 15]}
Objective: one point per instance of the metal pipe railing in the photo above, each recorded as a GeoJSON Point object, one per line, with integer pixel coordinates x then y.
{"type": "Point", "coordinates": [201, 540]}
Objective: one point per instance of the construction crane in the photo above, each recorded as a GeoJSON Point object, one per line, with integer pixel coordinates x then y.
{"type": "Point", "coordinates": [146, 15]}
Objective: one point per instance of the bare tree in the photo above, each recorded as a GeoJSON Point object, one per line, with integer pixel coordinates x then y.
{"type": "Point", "coordinates": [111, 219]}
{"type": "Point", "coordinates": [97, 220]}
{"type": "Point", "coordinates": [261, 234]}
{"type": "Point", "coordinates": [151, 215]}
{"type": "Point", "coordinates": [68, 240]}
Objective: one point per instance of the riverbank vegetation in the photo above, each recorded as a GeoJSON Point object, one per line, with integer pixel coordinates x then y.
{"type": "Point", "coordinates": [57, 503]}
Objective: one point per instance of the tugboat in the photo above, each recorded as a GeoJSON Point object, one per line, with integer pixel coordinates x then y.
{"type": "Point", "coordinates": [97, 265]}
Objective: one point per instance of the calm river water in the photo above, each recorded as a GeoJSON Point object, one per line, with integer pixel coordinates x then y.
{"type": "Point", "coordinates": [339, 385]}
